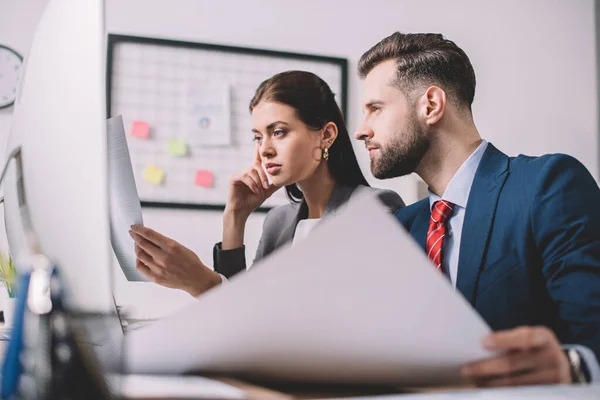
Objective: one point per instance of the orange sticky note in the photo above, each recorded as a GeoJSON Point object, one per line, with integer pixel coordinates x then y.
{"type": "Point", "coordinates": [204, 178]}
{"type": "Point", "coordinates": [140, 129]}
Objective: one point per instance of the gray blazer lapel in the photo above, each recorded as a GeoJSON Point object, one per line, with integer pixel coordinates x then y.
{"type": "Point", "coordinates": [340, 195]}
{"type": "Point", "coordinates": [287, 234]}
{"type": "Point", "coordinates": [479, 218]}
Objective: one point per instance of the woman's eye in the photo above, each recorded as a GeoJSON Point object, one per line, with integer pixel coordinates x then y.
{"type": "Point", "coordinates": [257, 138]}
{"type": "Point", "coordinates": [278, 132]}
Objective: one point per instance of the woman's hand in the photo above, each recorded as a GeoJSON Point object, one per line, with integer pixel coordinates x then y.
{"type": "Point", "coordinates": [248, 190]}
{"type": "Point", "coordinates": [170, 264]}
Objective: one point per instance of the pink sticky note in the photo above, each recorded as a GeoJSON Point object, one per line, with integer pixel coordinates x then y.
{"type": "Point", "coordinates": [140, 129]}
{"type": "Point", "coordinates": [204, 178]}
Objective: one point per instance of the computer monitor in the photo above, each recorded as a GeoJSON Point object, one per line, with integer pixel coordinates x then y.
{"type": "Point", "coordinates": [59, 123]}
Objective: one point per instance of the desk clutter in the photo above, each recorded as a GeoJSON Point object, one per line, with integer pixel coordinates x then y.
{"type": "Point", "coordinates": [47, 356]}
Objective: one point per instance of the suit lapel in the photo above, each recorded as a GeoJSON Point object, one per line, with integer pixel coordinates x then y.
{"type": "Point", "coordinates": [339, 196]}
{"type": "Point", "coordinates": [421, 226]}
{"type": "Point", "coordinates": [288, 233]}
{"type": "Point", "coordinates": [479, 218]}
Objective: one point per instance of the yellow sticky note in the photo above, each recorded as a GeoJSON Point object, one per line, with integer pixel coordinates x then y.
{"type": "Point", "coordinates": [153, 174]}
{"type": "Point", "coordinates": [177, 147]}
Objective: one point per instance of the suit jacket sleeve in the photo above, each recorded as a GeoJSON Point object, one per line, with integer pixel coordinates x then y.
{"type": "Point", "coordinates": [230, 262]}
{"type": "Point", "coordinates": [566, 228]}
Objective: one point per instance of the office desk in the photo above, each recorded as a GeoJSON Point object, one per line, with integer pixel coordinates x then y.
{"type": "Point", "coordinates": [254, 391]}
{"type": "Point", "coordinates": [309, 392]}
{"type": "Point", "coordinates": [265, 391]}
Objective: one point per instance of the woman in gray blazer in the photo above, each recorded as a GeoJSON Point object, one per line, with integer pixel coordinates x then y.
{"type": "Point", "coordinates": [303, 145]}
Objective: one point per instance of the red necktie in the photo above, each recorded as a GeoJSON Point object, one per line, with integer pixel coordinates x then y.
{"type": "Point", "coordinates": [441, 211]}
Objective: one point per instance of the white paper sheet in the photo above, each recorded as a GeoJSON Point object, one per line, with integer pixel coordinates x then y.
{"type": "Point", "coordinates": [125, 208]}
{"type": "Point", "coordinates": [173, 387]}
{"type": "Point", "coordinates": [209, 113]}
{"type": "Point", "coordinates": [356, 301]}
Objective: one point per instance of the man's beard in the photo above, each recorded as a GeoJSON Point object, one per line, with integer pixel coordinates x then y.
{"type": "Point", "coordinates": [402, 155]}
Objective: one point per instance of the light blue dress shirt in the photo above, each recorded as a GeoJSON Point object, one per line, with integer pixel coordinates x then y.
{"type": "Point", "coordinates": [457, 192]}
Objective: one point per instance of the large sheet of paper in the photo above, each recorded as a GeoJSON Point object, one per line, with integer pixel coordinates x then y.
{"type": "Point", "coordinates": [356, 301]}
{"type": "Point", "coordinates": [125, 208]}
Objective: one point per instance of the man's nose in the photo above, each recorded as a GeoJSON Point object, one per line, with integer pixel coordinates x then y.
{"type": "Point", "coordinates": [364, 132]}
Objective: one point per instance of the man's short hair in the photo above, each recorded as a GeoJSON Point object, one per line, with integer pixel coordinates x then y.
{"type": "Point", "coordinates": [424, 59]}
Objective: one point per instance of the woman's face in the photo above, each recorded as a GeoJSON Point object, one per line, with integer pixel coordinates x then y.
{"type": "Point", "coordinates": [289, 150]}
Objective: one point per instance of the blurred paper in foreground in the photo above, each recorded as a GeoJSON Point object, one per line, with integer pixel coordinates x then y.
{"type": "Point", "coordinates": [357, 301]}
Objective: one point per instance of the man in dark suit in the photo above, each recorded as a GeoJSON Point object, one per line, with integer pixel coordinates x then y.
{"type": "Point", "coordinates": [519, 237]}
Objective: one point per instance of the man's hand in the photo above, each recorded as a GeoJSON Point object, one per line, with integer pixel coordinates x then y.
{"type": "Point", "coordinates": [168, 263]}
{"type": "Point", "coordinates": [529, 356]}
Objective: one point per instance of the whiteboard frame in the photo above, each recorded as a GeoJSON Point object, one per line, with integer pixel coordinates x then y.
{"type": "Point", "coordinates": [116, 39]}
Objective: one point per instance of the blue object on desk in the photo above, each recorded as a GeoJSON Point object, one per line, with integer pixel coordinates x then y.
{"type": "Point", "coordinates": [12, 368]}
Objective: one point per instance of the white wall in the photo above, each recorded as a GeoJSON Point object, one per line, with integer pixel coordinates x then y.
{"type": "Point", "coordinates": [534, 60]}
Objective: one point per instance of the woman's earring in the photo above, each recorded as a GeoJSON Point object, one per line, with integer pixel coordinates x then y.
{"type": "Point", "coordinates": [325, 154]}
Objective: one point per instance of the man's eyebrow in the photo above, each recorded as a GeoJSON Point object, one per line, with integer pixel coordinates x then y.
{"type": "Point", "coordinates": [372, 103]}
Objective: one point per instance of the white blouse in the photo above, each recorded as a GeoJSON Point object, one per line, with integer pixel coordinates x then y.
{"type": "Point", "coordinates": [303, 229]}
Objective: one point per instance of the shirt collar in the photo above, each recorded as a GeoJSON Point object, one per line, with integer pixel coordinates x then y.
{"type": "Point", "coordinates": [459, 187]}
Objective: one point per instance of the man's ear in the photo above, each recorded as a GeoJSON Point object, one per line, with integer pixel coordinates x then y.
{"type": "Point", "coordinates": [432, 105]}
{"type": "Point", "coordinates": [328, 135]}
